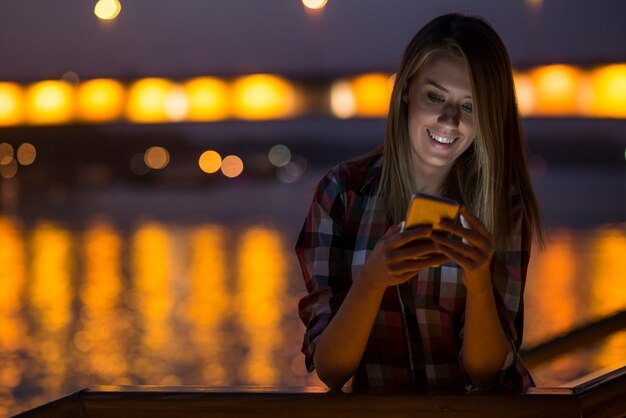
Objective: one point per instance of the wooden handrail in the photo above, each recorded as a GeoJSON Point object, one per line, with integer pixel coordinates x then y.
{"type": "Point", "coordinates": [579, 337]}
{"type": "Point", "coordinates": [601, 397]}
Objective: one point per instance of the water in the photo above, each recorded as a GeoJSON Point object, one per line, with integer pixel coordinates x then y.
{"type": "Point", "coordinates": [129, 286]}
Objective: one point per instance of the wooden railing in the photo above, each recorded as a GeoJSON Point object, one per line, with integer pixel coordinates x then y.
{"type": "Point", "coordinates": [602, 397]}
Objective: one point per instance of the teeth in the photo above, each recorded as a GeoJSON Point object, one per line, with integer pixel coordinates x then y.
{"type": "Point", "coordinates": [441, 139]}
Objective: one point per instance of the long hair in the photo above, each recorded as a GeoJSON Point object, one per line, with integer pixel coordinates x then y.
{"type": "Point", "coordinates": [494, 167]}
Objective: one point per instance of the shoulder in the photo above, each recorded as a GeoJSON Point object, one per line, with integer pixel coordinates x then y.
{"type": "Point", "coordinates": [357, 175]}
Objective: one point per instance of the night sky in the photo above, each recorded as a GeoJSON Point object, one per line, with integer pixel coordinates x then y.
{"type": "Point", "coordinates": [42, 39]}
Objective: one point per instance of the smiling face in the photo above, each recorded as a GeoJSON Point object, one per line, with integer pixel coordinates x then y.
{"type": "Point", "coordinates": [440, 119]}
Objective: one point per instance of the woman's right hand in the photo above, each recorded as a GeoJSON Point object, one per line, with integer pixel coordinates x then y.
{"type": "Point", "coordinates": [399, 256]}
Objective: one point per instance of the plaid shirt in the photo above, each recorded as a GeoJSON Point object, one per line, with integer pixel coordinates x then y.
{"type": "Point", "coordinates": [417, 335]}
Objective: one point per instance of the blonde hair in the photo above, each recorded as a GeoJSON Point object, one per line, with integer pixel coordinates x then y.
{"type": "Point", "coordinates": [486, 175]}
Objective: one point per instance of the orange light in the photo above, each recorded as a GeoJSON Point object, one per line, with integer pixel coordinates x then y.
{"type": "Point", "coordinates": [557, 89]}
{"type": "Point", "coordinates": [156, 158]}
{"type": "Point", "coordinates": [207, 99]}
{"type": "Point", "coordinates": [100, 100]}
{"type": "Point", "coordinates": [6, 153]}
{"type": "Point", "coordinates": [525, 94]}
{"type": "Point", "coordinates": [147, 100]}
{"type": "Point", "coordinates": [232, 166]}
{"type": "Point", "coordinates": [609, 91]}
{"type": "Point", "coordinates": [107, 9]}
{"type": "Point", "coordinates": [263, 96]}
{"type": "Point", "coordinates": [372, 94]}
{"type": "Point", "coordinates": [314, 4]}
{"type": "Point", "coordinates": [210, 162]}
{"type": "Point", "coordinates": [49, 102]}
{"type": "Point", "coordinates": [11, 104]}
{"type": "Point", "coordinates": [342, 100]}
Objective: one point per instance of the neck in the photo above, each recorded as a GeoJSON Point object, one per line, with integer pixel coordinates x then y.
{"type": "Point", "coordinates": [430, 180]}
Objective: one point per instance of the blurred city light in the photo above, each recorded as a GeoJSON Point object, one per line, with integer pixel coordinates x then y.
{"type": "Point", "coordinates": [557, 89]}
{"type": "Point", "coordinates": [210, 161]}
{"type": "Point", "coordinates": [372, 93]}
{"type": "Point", "coordinates": [107, 9]}
{"type": "Point", "coordinates": [524, 92]}
{"type": "Point", "coordinates": [6, 153]}
{"type": "Point", "coordinates": [342, 100]}
{"type": "Point", "coordinates": [207, 99]}
{"type": "Point", "coordinates": [232, 166]}
{"type": "Point", "coordinates": [11, 104]}
{"type": "Point", "coordinates": [26, 154]}
{"type": "Point", "coordinates": [147, 99]}
{"type": "Point", "coordinates": [279, 155]}
{"type": "Point", "coordinates": [49, 102]}
{"type": "Point", "coordinates": [263, 96]}
{"type": "Point", "coordinates": [138, 164]}
{"type": "Point", "coordinates": [156, 158]}
{"type": "Point", "coordinates": [176, 106]}
{"type": "Point", "coordinates": [100, 100]}
{"type": "Point", "coordinates": [8, 170]}
{"type": "Point", "coordinates": [609, 91]}
{"type": "Point", "coordinates": [314, 4]}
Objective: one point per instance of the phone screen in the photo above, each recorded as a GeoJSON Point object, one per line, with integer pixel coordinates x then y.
{"type": "Point", "coordinates": [429, 210]}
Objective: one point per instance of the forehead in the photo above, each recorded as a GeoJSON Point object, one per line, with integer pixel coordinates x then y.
{"type": "Point", "coordinates": [446, 71]}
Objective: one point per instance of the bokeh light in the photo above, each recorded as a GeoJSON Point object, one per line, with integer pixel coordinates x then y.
{"type": "Point", "coordinates": [372, 93]}
{"type": "Point", "coordinates": [609, 91]}
{"type": "Point", "coordinates": [342, 100]}
{"type": "Point", "coordinates": [107, 9]}
{"type": "Point", "coordinates": [26, 154]}
{"type": "Point", "coordinates": [525, 93]}
{"type": "Point", "coordinates": [314, 4]}
{"type": "Point", "coordinates": [6, 153]}
{"type": "Point", "coordinates": [557, 90]}
{"type": "Point", "coordinates": [156, 158]}
{"type": "Point", "coordinates": [176, 105]}
{"type": "Point", "coordinates": [11, 104]}
{"type": "Point", "coordinates": [50, 102]}
{"type": "Point", "coordinates": [232, 166]}
{"type": "Point", "coordinates": [147, 100]}
{"type": "Point", "coordinates": [8, 170]}
{"type": "Point", "coordinates": [207, 98]}
{"type": "Point", "coordinates": [210, 161]}
{"type": "Point", "coordinates": [100, 100]}
{"type": "Point", "coordinates": [263, 96]}
{"type": "Point", "coordinates": [279, 155]}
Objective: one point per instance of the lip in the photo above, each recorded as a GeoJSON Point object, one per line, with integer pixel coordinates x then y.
{"type": "Point", "coordinates": [445, 137]}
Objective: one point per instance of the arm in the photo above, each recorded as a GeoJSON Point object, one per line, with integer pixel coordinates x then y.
{"type": "Point", "coordinates": [484, 348]}
{"type": "Point", "coordinates": [339, 313]}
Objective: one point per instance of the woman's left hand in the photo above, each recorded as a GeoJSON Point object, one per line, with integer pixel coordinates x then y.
{"type": "Point", "coordinates": [473, 254]}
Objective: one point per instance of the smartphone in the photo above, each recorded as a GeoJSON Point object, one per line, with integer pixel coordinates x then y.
{"type": "Point", "coordinates": [425, 209]}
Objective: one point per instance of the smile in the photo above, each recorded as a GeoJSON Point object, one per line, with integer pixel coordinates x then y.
{"type": "Point", "coordinates": [441, 139]}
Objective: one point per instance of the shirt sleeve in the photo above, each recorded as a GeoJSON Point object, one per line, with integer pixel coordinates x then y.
{"type": "Point", "coordinates": [508, 275]}
{"type": "Point", "coordinates": [320, 251]}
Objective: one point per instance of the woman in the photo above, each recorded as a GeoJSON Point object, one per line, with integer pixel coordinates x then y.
{"type": "Point", "coordinates": [389, 308]}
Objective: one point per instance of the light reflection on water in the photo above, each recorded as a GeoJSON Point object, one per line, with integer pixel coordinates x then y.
{"type": "Point", "coordinates": [211, 305]}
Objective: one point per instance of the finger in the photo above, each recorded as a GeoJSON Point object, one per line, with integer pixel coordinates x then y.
{"type": "Point", "coordinates": [471, 236]}
{"type": "Point", "coordinates": [413, 252]}
{"type": "Point", "coordinates": [405, 237]}
{"type": "Point", "coordinates": [474, 253]}
{"type": "Point", "coordinates": [475, 223]}
{"type": "Point", "coordinates": [413, 267]}
{"type": "Point", "coordinates": [465, 262]}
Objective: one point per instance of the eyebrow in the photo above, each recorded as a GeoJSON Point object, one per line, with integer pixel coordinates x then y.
{"type": "Point", "coordinates": [440, 87]}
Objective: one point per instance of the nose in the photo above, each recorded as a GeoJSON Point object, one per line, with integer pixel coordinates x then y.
{"type": "Point", "coordinates": [450, 115]}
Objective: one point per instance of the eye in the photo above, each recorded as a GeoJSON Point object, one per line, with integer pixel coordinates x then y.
{"type": "Point", "coordinates": [468, 108]}
{"type": "Point", "coordinates": [435, 98]}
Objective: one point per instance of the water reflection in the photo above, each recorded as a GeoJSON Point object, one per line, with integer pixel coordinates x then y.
{"type": "Point", "coordinates": [104, 323]}
{"type": "Point", "coordinates": [260, 293]}
{"type": "Point", "coordinates": [50, 295]}
{"type": "Point", "coordinates": [13, 333]}
{"type": "Point", "coordinates": [209, 304]}
{"type": "Point", "coordinates": [215, 305]}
